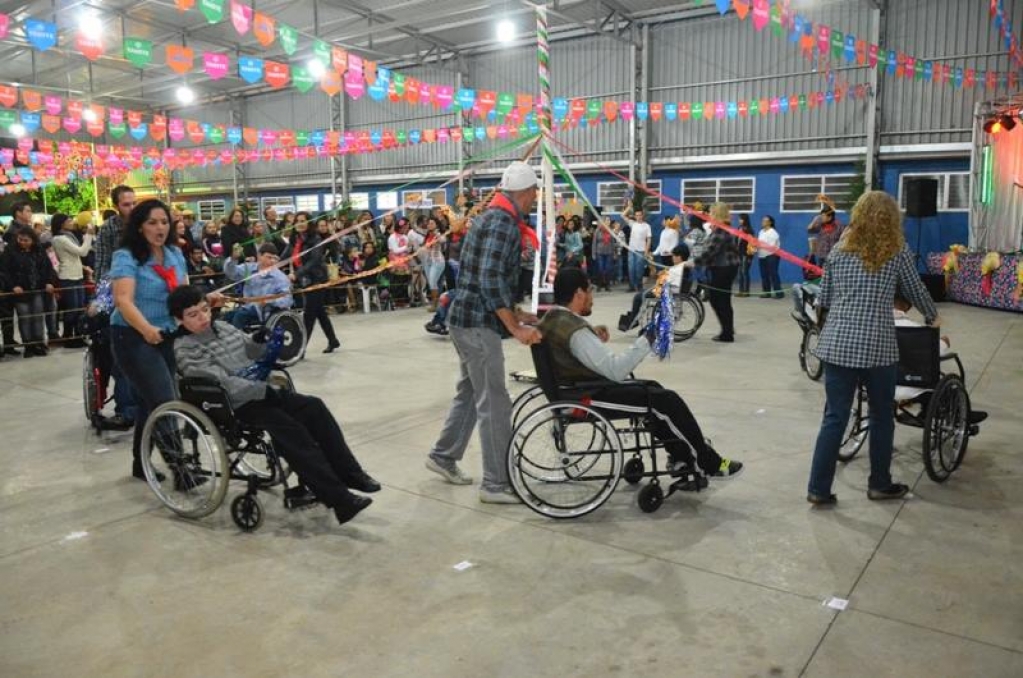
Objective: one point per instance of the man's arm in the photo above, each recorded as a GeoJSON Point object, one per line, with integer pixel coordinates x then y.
{"type": "Point", "coordinates": [594, 354]}
{"type": "Point", "coordinates": [500, 252]}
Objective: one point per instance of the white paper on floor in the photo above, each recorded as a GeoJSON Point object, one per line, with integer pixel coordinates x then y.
{"type": "Point", "coordinates": [75, 535]}
{"type": "Point", "coordinates": [463, 566]}
{"type": "Point", "coordinates": [101, 450]}
{"type": "Point", "coordinates": [836, 603]}
{"type": "Point", "coordinates": [761, 411]}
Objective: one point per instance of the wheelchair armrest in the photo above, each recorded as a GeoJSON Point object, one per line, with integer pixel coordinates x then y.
{"type": "Point", "coordinates": [199, 381]}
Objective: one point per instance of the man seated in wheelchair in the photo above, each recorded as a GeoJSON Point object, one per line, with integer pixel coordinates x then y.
{"type": "Point", "coordinates": [908, 396]}
{"type": "Point", "coordinates": [679, 277]}
{"type": "Point", "coordinates": [303, 430]}
{"type": "Point", "coordinates": [262, 279]}
{"type": "Point", "coordinates": [581, 354]}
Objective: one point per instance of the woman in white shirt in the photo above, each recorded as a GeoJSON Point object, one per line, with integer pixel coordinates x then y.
{"type": "Point", "coordinates": [667, 241]}
{"type": "Point", "coordinates": [770, 242]}
{"type": "Point", "coordinates": [71, 273]}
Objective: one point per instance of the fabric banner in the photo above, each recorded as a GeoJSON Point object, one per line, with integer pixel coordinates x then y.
{"type": "Point", "coordinates": [180, 59]}
{"type": "Point", "coordinates": [302, 79]}
{"type": "Point", "coordinates": [276, 73]}
{"type": "Point", "coordinates": [32, 100]}
{"type": "Point", "coordinates": [138, 52]}
{"type": "Point", "coordinates": [264, 28]}
{"type": "Point", "coordinates": [213, 10]}
{"type": "Point", "coordinates": [41, 34]}
{"type": "Point", "coordinates": [250, 69]}
{"type": "Point", "coordinates": [5, 25]}
{"type": "Point", "coordinates": [289, 38]}
{"type": "Point", "coordinates": [241, 17]}
{"type": "Point", "coordinates": [91, 46]}
{"type": "Point", "coordinates": [216, 65]}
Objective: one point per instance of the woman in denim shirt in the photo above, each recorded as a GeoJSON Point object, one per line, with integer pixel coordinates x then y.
{"type": "Point", "coordinates": [144, 271]}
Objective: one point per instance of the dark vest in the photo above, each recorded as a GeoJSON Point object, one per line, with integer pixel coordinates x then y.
{"type": "Point", "coordinates": [558, 326]}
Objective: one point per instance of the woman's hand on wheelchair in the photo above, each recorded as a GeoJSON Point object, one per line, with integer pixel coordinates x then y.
{"type": "Point", "coordinates": [602, 333]}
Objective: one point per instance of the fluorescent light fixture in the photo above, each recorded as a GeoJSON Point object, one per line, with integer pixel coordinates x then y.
{"type": "Point", "coordinates": [185, 94]}
{"type": "Point", "coordinates": [505, 31]}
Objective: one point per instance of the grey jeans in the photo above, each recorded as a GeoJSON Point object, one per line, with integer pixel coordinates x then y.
{"type": "Point", "coordinates": [481, 395]}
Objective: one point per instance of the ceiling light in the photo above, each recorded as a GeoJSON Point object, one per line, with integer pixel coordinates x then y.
{"type": "Point", "coordinates": [505, 31]}
{"type": "Point", "coordinates": [316, 68]}
{"type": "Point", "coordinates": [17, 129]}
{"type": "Point", "coordinates": [185, 94]}
{"type": "Point", "coordinates": [90, 23]}
{"type": "Point", "coordinates": [89, 115]}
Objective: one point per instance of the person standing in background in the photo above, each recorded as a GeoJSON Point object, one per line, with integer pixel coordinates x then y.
{"type": "Point", "coordinates": [721, 256]}
{"type": "Point", "coordinates": [603, 255]}
{"type": "Point", "coordinates": [70, 273]}
{"type": "Point", "coordinates": [668, 240]}
{"type": "Point", "coordinates": [640, 235]}
{"type": "Point", "coordinates": [767, 251]}
{"type": "Point", "coordinates": [747, 252]}
{"type": "Point", "coordinates": [824, 230]}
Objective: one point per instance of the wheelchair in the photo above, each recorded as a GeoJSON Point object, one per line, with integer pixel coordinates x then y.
{"type": "Point", "coordinates": [290, 320]}
{"type": "Point", "coordinates": [567, 457]}
{"type": "Point", "coordinates": [942, 410]}
{"type": "Point", "coordinates": [194, 447]}
{"type": "Point", "coordinates": [687, 308]}
{"type": "Point", "coordinates": [805, 315]}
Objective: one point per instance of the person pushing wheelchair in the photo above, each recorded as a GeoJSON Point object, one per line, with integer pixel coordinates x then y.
{"type": "Point", "coordinates": [302, 428]}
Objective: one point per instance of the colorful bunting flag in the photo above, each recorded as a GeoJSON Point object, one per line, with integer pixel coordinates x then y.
{"type": "Point", "coordinates": [138, 52]}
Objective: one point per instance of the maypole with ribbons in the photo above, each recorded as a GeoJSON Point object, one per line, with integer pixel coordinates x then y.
{"type": "Point", "coordinates": [543, 272]}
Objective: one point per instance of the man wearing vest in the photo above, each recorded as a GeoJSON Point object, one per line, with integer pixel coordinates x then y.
{"type": "Point", "coordinates": [581, 354]}
{"type": "Point", "coordinates": [482, 312]}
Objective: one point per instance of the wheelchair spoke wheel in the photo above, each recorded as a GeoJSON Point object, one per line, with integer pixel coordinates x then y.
{"type": "Point", "coordinates": [634, 470]}
{"type": "Point", "coordinates": [811, 364]}
{"type": "Point", "coordinates": [688, 316]}
{"type": "Point", "coordinates": [856, 430]}
{"type": "Point", "coordinates": [565, 460]}
{"type": "Point", "coordinates": [184, 460]}
{"type": "Point", "coordinates": [247, 512]}
{"type": "Point", "coordinates": [294, 336]}
{"type": "Point", "coordinates": [524, 404]}
{"type": "Point", "coordinates": [946, 428]}
{"type": "Point", "coordinates": [92, 399]}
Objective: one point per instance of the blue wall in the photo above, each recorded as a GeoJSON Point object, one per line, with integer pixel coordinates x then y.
{"type": "Point", "coordinates": [937, 233]}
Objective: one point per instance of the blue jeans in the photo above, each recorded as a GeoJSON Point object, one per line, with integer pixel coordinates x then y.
{"type": "Point", "coordinates": [769, 280]}
{"type": "Point", "coordinates": [840, 384]}
{"type": "Point", "coordinates": [245, 316]}
{"type": "Point", "coordinates": [72, 300]}
{"type": "Point", "coordinates": [605, 269]}
{"type": "Point", "coordinates": [637, 267]}
{"type": "Point", "coordinates": [148, 369]}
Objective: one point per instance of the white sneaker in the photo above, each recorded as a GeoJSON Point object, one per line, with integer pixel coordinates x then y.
{"type": "Point", "coordinates": [505, 496]}
{"type": "Point", "coordinates": [453, 475]}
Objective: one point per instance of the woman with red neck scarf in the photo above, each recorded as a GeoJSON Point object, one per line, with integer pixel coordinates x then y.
{"type": "Point", "coordinates": [144, 271]}
{"type": "Point", "coordinates": [308, 268]}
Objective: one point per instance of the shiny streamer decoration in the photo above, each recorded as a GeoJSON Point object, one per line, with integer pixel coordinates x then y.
{"type": "Point", "coordinates": [260, 369]}
{"type": "Point", "coordinates": [664, 323]}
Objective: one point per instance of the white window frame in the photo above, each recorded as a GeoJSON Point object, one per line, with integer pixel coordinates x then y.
{"type": "Point", "coordinates": [300, 207]}
{"type": "Point", "coordinates": [430, 196]}
{"type": "Point", "coordinates": [282, 203]}
{"type": "Point", "coordinates": [616, 209]}
{"type": "Point", "coordinates": [391, 204]}
{"type": "Point", "coordinates": [821, 177]}
{"type": "Point", "coordinates": [359, 200]}
{"type": "Point", "coordinates": [717, 192]}
{"type": "Point", "coordinates": [944, 186]}
{"type": "Point", "coordinates": [211, 205]}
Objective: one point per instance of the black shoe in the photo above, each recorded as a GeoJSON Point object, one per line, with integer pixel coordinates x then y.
{"type": "Point", "coordinates": [363, 482]}
{"type": "Point", "coordinates": [185, 480]}
{"type": "Point", "coordinates": [74, 343]}
{"type": "Point", "coordinates": [350, 508]}
{"type": "Point", "coordinates": [10, 350]}
{"type": "Point", "coordinates": [118, 423]}
{"type": "Point", "coordinates": [976, 416]}
{"type": "Point", "coordinates": [435, 328]}
{"type": "Point", "coordinates": [893, 491]}
{"type": "Point", "coordinates": [723, 339]}
{"type": "Point", "coordinates": [139, 474]}
{"type": "Point", "coordinates": [332, 346]}
{"type": "Point", "coordinates": [822, 500]}
{"type": "Point", "coordinates": [39, 350]}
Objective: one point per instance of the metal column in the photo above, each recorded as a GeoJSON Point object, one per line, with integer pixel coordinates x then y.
{"type": "Point", "coordinates": [875, 112]}
{"type": "Point", "coordinates": [240, 173]}
{"type": "Point", "coordinates": [339, 178]}
{"type": "Point", "coordinates": [644, 95]}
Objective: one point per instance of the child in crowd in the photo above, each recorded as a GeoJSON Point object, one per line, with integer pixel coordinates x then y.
{"type": "Point", "coordinates": [262, 278]}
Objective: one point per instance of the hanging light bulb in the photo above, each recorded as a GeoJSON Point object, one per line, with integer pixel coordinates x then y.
{"type": "Point", "coordinates": [90, 23]}
{"type": "Point", "coordinates": [185, 94]}
{"type": "Point", "coordinates": [505, 31]}
{"type": "Point", "coordinates": [316, 68]}
{"type": "Point", "coordinates": [17, 129]}
{"type": "Point", "coordinates": [89, 115]}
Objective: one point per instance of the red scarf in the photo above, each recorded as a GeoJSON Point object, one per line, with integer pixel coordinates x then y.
{"type": "Point", "coordinates": [296, 252]}
{"type": "Point", "coordinates": [169, 274]}
{"type": "Point", "coordinates": [501, 202]}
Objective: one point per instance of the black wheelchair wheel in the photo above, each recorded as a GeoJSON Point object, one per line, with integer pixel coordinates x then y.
{"type": "Point", "coordinates": [813, 367]}
{"type": "Point", "coordinates": [564, 460]}
{"type": "Point", "coordinates": [521, 407]}
{"type": "Point", "coordinates": [856, 430]}
{"type": "Point", "coordinates": [247, 512]}
{"type": "Point", "coordinates": [688, 316]}
{"type": "Point", "coordinates": [294, 336]}
{"type": "Point", "coordinates": [91, 397]}
{"type": "Point", "coordinates": [650, 498]}
{"type": "Point", "coordinates": [633, 471]}
{"type": "Point", "coordinates": [946, 428]}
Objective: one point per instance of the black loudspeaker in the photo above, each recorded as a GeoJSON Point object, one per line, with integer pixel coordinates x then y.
{"type": "Point", "coordinates": [935, 284]}
{"type": "Point", "coordinates": [921, 197]}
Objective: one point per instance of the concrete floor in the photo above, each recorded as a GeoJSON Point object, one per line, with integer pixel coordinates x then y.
{"type": "Point", "coordinates": [97, 579]}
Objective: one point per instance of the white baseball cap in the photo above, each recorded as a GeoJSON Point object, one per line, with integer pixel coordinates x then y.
{"type": "Point", "coordinates": [518, 176]}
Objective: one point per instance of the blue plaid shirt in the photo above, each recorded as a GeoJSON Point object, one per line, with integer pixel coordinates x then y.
{"type": "Point", "coordinates": [150, 289]}
{"type": "Point", "coordinates": [489, 272]}
{"type": "Point", "coordinates": [860, 328]}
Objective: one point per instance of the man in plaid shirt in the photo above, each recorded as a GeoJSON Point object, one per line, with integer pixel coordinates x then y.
{"type": "Point", "coordinates": [483, 312]}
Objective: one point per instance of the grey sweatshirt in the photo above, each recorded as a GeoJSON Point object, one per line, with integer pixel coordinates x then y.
{"type": "Point", "coordinates": [220, 353]}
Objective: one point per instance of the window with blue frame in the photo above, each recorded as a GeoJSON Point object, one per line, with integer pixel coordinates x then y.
{"type": "Point", "coordinates": [953, 190]}
{"type": "Point", "coordinates": [738, 192]}
{"type": "Point", "coordinates": [802, 192]}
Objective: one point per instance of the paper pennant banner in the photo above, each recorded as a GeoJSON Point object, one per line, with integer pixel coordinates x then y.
{"type": "Point", "coordinates": [33, 101]}
{"type": "Point", "coordinates": [761, 14]}
{"type": "Point", "coordinates": [91, 46]}
{"type": "Point", "coordinates": [180, 59]}
{"type": "Point", "coordinates": [354, 84]}
{"type": "Point", "coordinates": [289, 38]}
{"type": "Point", "coordinates": [277, 74]}
{"type": "Point", "coordinates": [302, 79]}
{"type": "Point", "coordinates": [241, 17]}
{"type": "Point", "coordinates": [216, 65]}
{"type": "Point", "coordinates": [5, 24]}
{"type": "Point", "coordinates": [264, 28]}
{"type": "Point", "coordinates": [213, 10]}
{"type": "Point", "coordinates": [138, 52]}
{"type": "Point", "coordinates": [41, 34]}
{"type": "Point", "coordinates": [250, 69]}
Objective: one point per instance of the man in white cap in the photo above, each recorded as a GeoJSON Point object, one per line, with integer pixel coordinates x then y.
{"type": "Point", "coordinates": [482, 312]}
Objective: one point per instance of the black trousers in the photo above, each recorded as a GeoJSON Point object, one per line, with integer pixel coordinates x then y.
{"type": "Point", "coordinates": [7, 320]}
{"type": "Point", "coordinates": [720, 295]}
{"type": "Point", "coordinates": [672, 422]}
{"type": "Point", "coordinates": [306, 434]}
{"type": "Point", "coordinates": [315, 309]}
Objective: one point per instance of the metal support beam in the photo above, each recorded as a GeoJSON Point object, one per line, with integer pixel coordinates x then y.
{"type": "Point", "coordinates": [465, 146]}
{"type": "Point", "coordinates": [875, 111]}
{"type": "Point", "coordinates": [644, 95]}
{"type": "Point", "coordinates": [633, 72]}
{"type": "Point", "coordinates": [340, 182]}
{"type": "Point", "coordinates": [240, 175]}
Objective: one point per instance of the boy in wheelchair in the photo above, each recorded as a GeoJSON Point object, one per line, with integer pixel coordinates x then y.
{"type": "Point", "coordinates": [679, 277]}
{"type": "Point", "coordinates": [303, 430]}
{"type": "Point", "coordinates": [262, 279]}
{"type": "Point", "coordinates": [581, 355]}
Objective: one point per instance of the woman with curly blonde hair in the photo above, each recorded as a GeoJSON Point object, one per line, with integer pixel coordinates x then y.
{"type": "Point", "coordinates": [721, 256]}
{"type": "Point", "coordinates": [857, 343]}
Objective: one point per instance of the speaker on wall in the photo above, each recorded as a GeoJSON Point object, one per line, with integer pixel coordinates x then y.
{"type": "Point", "coordinates": [921, 197]}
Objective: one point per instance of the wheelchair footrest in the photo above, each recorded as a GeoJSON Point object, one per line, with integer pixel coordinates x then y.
{"type": "Point", "coordinates": [688, 482]}
{"type": "Point", "coordinates": [300, 503]}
